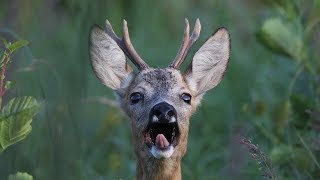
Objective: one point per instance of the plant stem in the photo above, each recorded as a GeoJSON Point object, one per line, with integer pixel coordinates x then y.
{"type": "Point", "coordinates": [294, 79]}
{"type": "Point", "coordinates": [3, 71]}
{"type": "Point", "coordinates": [313, 157]}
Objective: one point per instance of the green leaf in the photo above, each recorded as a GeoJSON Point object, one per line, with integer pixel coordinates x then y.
{"type": "Point", "coordinates": [20, 176]}
{"type": "Point", "coordinates": [15, 120]}
{"type": "Point", "coordinates": [8, 85]}
{"type": "Point", "coordinates": [18, 44]}
{"type": "Point", "coordinates": [282, 38]}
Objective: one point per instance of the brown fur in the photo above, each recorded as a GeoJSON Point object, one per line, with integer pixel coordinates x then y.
{"type": "Point", "coordinates": [159, 85]}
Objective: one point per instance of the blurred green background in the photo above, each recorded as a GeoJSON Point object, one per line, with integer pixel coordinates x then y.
{"type": "Point", "coordinates": [270, 93]}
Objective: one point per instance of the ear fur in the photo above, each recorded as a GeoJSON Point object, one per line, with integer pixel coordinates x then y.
{"type": "Point", "coordinates": [210, 62]}
{"type": "Point", "coordinates": [107, 59]}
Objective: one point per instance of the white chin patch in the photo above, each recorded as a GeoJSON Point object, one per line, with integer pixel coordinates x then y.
{"type": "Point", "coordinates": [161, 153]}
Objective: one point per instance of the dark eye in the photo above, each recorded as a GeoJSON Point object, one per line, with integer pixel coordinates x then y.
{"type": "Point", "coordinates": [186, 98]}
{"type": "Point", "coordinates": [135, 97]}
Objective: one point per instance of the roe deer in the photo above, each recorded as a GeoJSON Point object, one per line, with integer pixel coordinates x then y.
{"type": "Point", "coordinates": [159, 102]}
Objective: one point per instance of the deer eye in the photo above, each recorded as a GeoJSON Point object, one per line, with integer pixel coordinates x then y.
{"type": "Point", "coordinates": [186, 98]}
{"type": "Point", "coordinates": [135, 97]}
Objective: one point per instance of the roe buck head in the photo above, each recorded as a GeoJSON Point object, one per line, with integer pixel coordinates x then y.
{"type": "Point", "coordinates": [159, 102]}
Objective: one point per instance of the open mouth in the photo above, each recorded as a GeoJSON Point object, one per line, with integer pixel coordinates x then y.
{"type": "Point", "coordinates": [162, 135]}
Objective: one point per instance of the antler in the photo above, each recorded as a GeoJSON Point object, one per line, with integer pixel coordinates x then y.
{"type": "Point", "coordinates": [187, 42]}
{"type": "Point", "coordinates": [126, 46]}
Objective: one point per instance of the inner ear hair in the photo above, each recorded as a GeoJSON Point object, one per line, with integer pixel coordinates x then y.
{"type": "Point", "coordinates": [210, 61]}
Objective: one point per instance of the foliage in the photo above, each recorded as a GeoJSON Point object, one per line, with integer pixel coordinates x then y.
{"type": "Point", "coordinates": [282, 38]}
{"type": "Point", "coordinates": [15, 120]}
{"type": "Point", "coordinates": [16, 116]}
{"type": "Point", "coordinates": [264, 163]}
{"type": "Point", "coordinates": [292, 33]}
{"type": "Point", "coordinates": [20, 176]}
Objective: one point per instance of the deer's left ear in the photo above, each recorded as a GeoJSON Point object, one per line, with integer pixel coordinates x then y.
{"type": "Point", "coordinates": [210, 62]}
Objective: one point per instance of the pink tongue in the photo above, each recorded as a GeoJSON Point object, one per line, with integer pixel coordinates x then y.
{"type": "Point", "coordinates": [161, 141]}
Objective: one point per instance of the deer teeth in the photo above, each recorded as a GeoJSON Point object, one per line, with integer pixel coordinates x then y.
{"type": "Point", "coordinates": [173, 135]}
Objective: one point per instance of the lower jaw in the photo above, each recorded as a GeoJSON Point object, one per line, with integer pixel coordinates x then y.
{"type": "Point", "coordinates": [161, 153]}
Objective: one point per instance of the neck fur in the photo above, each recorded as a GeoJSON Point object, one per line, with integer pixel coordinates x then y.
{"type": "Point", "coordinates": [152, 169]}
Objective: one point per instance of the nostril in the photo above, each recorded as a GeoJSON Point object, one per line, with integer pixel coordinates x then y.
{"type": "Point", "coordinates": [170, 113]}
{"type": "Point", "coordinates": [162, 112]}
{"type": "Point", "coordinates": [157, 113]}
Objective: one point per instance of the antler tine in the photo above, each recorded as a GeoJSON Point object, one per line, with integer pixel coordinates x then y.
{"type": "Point", "coordinates": [111, 32]}
{"type": "Point", "coordinates": [126, 45]}
{"type": "Point", "coordinates": [114, 36]}
{"type": "Point", "coordinates": [191, 40]}
{"type": "Point", "coordinates": [136, 59]}
{"type": "Point", "coordinates": [183, 46]}
{"type": "Point", "coordinates": [194, 37]}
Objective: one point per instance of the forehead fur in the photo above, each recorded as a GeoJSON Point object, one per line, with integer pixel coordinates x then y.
{"type": "Point", "coordinates": [165, 79]}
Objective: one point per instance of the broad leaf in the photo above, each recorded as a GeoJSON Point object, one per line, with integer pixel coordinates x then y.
{"type": "Point", "coordinates": [18, 44]}
{"type": "Point", "coordinates": [282, 38]}
{"type": "Point", "coordinates": [20, 176]}
{"type": "Point", "coordinates": [8, 85]}
{"type": "Point", "coordinates": [15, 121]}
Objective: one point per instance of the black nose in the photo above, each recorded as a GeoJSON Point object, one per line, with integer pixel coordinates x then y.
{"type": "Point", "coordinates": [163, 111]}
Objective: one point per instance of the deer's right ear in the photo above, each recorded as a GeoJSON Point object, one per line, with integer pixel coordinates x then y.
{"type": "Point", "coordinates": [210, 62]}
{"type": "Point", "coordinates": [107, 59]}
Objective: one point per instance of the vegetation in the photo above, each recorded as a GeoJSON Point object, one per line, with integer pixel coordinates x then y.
{"type": "Point", "coordinates": [16, 116]}
{"type": "Point", "coordinates": [294, 132]}
{"type": "Point", "coordinates": [270, 94]}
